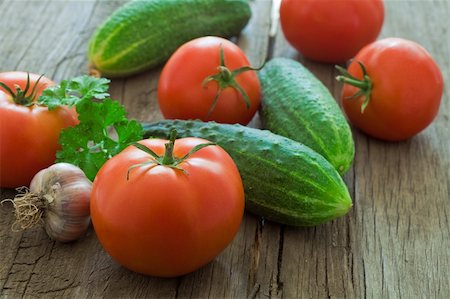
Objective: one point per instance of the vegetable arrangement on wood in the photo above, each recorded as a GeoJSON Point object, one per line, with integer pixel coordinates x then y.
{"type": "Point", "coordinates": [167, 207]}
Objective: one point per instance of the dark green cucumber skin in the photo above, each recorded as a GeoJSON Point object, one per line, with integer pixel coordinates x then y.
{"type": "Point", "coordinates": [297, 105]}
{"type": "Point", "coordinates": [143, 34]}
{"type": "Point", "coordinates": [284, 181]}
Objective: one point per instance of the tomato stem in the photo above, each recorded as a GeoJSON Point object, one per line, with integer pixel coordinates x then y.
{"type": "Point", "coordinates": [364, 85]}
{"type": "Point", "coordinates": [226, 78]}
{"type": "Point", "coordinates": [20, 96]}
{"type": "Point", "coordinates": [225, 74]}
{"type": "Point", "coordinates": [168, 159]}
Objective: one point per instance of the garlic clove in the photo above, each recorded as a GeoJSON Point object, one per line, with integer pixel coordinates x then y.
{"type": "Point", "coordinates": [71, 200]}
{"type": "Point", "coordinates": [63, 228]}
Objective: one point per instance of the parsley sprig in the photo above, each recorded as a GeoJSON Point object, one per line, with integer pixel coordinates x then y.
{"type": "Point", "coordinates": [70, 92]}
{"type": "Point", "coordinates": [103, 130]}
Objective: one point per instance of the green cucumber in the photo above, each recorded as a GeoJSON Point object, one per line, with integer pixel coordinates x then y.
{"type": "Point", "coordinates": [297, 105]}
{"type": "Point", "coordinates": [284, 180]}
{"type": "Point", "coordinates": [143, 34]}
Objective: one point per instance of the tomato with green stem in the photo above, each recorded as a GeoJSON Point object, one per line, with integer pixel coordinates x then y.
{"type": "Point", "coordinates": [166, 208]}
{"type": "Point", "coordinates": [392, 89]}
{"type": "Point", "coordinates": [29, 132]}
{"type": "Point", "coordinates": [209, 78]}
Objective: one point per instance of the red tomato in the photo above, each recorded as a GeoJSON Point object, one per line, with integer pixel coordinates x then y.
{"type": "Point", "coordinates": [28, 135]}
{"type": "Point", "coordinates": [167, 221]}
{"type": "Point", "coordinates": [182, 94]}
{"type": "Point", "coordinates": [331, 31]}
{"type": "Point", "coordinates": [406, 91]}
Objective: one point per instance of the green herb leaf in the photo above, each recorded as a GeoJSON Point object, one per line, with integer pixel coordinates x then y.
{"type": "Point", "coordinates": [90, 87]}
{"type": "Point", "coordinates": [70, 92]}
{"type": "Point", "coordinates": [103, 132]}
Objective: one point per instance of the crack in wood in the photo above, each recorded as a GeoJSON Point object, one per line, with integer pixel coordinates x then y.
{"type": "Point", "coordinates": [383, 274]}
{"type": "Point", "coordinates": [349, 252]}
{"type": "Point", "coordinates": [254, 291]}
{"type": "Point", "coordinates": [273, 30]}
{"type": "Point", "coordinates": [12, 263]}
{"type": "Point", "coordinates": [279, 283]}
{"type": "Point", "coordinates": [32, 272]}
{"type": "Point", "coordinates": [327, 285]}
{"type": "Point", "coordinates": [72, 285]}
{"type": "Point", "coordinates": [177, 288]}
{"type": "Point", "coordinates": [255, 253]}
{"type": "Point", "coordinates": [364, 278]}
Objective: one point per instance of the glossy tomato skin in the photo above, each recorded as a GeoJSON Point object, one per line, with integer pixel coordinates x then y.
{"type": "Point", "coordinates": [331, 31]}
{"type": "Point", "coordinates": [181, 94]}
{"type": "Point", "coordinates": [163, 221]}
{"type": "Point", "coordinates": [28, 135]}
{"type": "Point", "coordinates": [407, 89]}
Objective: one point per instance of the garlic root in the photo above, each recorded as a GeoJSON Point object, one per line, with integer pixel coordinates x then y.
{"type": "Point", "coordinates": [58, 198]}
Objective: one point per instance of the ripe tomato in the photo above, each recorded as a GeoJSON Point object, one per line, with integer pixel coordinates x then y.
{"type": "Point", "coordinates": [28, 133]}
{"type": "Point", "coordinates": [183, 92]}
{"type": "Point", "coordinates": [171, 216]}
{"type": "Point", "coordinates": [401, 90]}
{"type": "Point", "coordinates": [331, 31]}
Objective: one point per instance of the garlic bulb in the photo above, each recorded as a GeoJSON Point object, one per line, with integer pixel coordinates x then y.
{"type": "Point", "coordinates": [59, 198]}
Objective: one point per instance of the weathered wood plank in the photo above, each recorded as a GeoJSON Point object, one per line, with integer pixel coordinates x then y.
{"type": "Point", "coordinates": [404, 187]}
{"type": "Point", "coordinates": [47, 37]}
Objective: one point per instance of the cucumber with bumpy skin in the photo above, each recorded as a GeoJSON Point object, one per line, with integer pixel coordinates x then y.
{"type": "Point", "coordinates": [297, 105]}
{"type": "Point", "coordinates": [144, 33]}
{"type": "Point", "coordinates": [284, 181]}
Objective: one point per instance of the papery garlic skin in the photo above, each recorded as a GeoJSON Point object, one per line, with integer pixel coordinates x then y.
{"type": "Point", "coordinates": [67, 191]}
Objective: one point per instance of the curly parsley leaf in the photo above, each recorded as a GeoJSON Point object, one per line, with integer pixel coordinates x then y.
{"type": "Point", "coordinates": [103, 132]}
{"type": "Point", "coordinates": [70, 92]}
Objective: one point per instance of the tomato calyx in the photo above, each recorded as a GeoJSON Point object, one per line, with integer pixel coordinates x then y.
{"type": "Point", "coordinates": [365, 84]}
{"type": "Point", "coordinates": [226, 78]}
{"type": "Point", "coordinates": [20, 96]}
{"type": "Point", "coordinates": [168, 159]}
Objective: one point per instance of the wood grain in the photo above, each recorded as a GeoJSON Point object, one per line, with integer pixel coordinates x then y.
{"type": "Point", "coordinates": [394, 243]}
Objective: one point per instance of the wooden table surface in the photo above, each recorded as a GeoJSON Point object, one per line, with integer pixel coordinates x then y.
{"type": "Point", "coordinates": [394, 243]}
